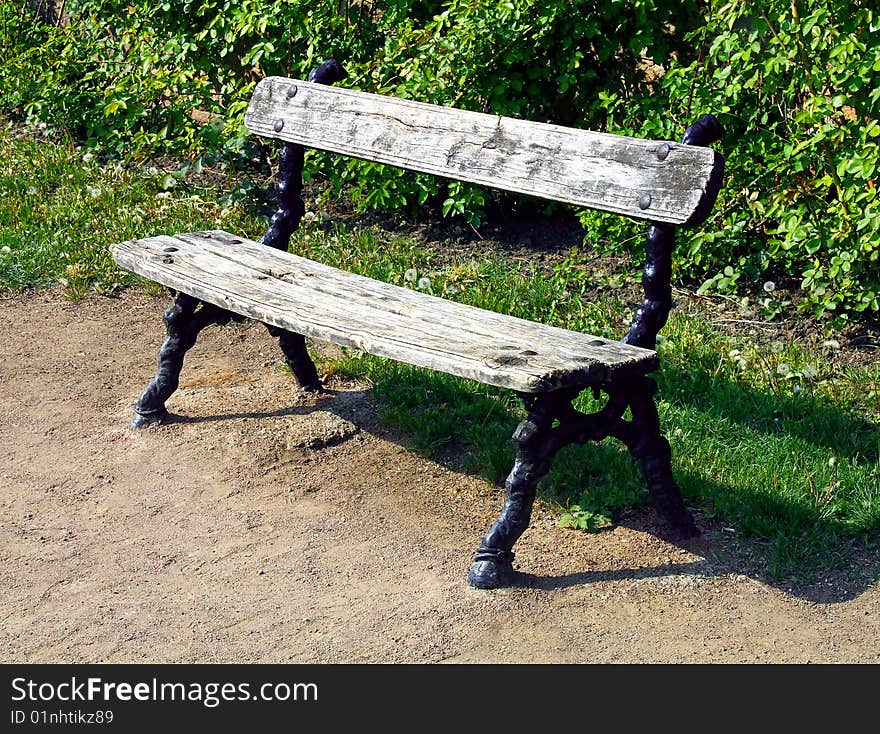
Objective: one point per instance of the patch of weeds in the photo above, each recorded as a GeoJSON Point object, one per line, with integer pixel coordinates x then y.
{"type": "Point", "coordinates": [61, 209]}
{"type": "Point", "coordinates": [584, 518]}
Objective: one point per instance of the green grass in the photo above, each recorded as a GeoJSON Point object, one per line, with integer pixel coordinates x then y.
{"type": "Point", "coordinates": [60, 209]}
{"type": "Point", "coordinates": [769, 438]}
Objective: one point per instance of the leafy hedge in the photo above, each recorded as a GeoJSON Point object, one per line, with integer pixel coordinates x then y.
{"type": "Point", "coordinates": [129, 74]}
{"type": "Point", "coordinates": [795, 83]}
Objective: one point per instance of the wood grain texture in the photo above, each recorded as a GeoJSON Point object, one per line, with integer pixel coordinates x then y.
{"type": "Point", "coordinates": [333, 305]}
{"type": "Point", "coordinates": [601, 171]}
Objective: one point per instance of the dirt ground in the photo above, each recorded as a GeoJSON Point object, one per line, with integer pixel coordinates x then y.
{"type": "Point", "coordinates": [266, 525]}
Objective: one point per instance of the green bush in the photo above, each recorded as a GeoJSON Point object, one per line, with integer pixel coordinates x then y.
{"type": "Point", "coordinates": [795, 82]}
{"type": "Point", "coordinates": [128, 75]}
{"type": "Point", "coordinates": [545, 60]}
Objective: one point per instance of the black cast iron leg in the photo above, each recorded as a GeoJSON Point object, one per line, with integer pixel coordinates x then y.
{"type": "Point", "coordinates": [284, 221]}
{"type": "Point", "coordinates": [297, 357]}
{"type": "Point", "coordinates": [650, 447]}
{"type": "Point", "coordinates": [651, 315]}
{"type": "Point", "coordinates": [493, 564]}
{"type": "Point", "coordinates": [183, 322]}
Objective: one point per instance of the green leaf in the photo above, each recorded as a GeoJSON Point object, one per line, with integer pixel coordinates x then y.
{"type": "Point", "coordinates": [167, 182]}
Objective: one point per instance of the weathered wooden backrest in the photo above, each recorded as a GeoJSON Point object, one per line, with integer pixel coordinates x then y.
{"type": "Point", "coordinates": [670, 184]}
{"type": "Point", "coordinates": [661, 181]}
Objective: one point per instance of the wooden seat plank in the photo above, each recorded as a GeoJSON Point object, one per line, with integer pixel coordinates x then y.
{"type": "Point", "coordinates": [333, 305]}
{"type": "Point", "coordinates": [661, 181]}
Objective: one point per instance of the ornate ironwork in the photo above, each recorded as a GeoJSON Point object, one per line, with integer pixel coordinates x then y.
{"type": "Point", "coordinates": [289, 182]}
{"type": "Point", "coordinates": [553, 422]}
{"type": "Point", "coordinates": [187, 316]}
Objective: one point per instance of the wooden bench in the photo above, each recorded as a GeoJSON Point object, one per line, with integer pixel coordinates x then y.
{"type": "Point", "coordinates": [216, 276]}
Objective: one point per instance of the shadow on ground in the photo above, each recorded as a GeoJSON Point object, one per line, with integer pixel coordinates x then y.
{"type": "Point", "coordinates": [725, 548]}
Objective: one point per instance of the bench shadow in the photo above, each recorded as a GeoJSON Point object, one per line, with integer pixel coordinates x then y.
{"type": "Point", "coordinates": [342, 403]}
{"type": "Point", "coordinates": [584, 578]}
{"type": "Point", "coordinates": [726, 547]}
{"type": "Point", "coordinates": [719, 551]}
{"type": "Point", "coordinates": [723, 549]}
{"type": "Point", "coordinates": [802, 416]}
{"type": "Point", "coordinates": [256, 414]}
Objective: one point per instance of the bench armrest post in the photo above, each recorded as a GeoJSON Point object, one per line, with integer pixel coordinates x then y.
{"type": "Point", "coordinates": [289, 185]}
{"type": "Point", "coordinates": [651, 315]}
